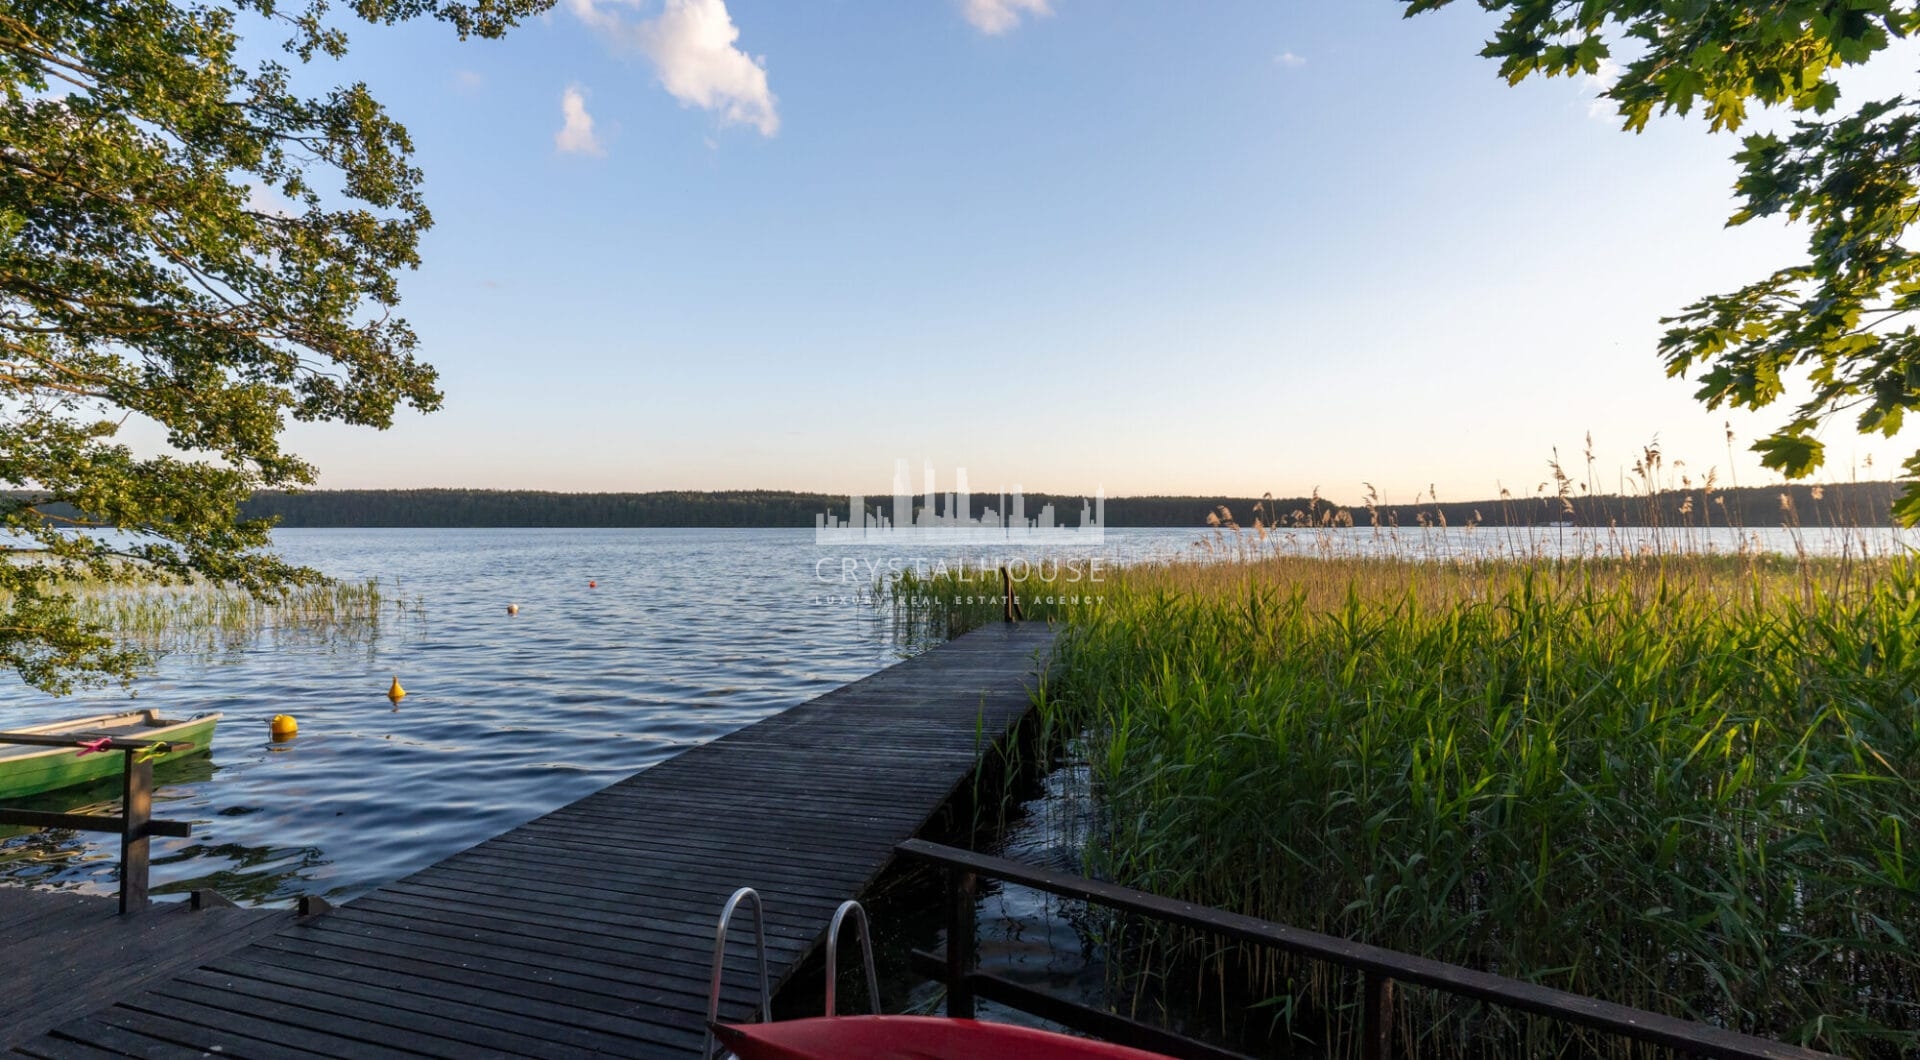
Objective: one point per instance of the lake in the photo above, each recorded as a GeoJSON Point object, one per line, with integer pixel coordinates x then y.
{"type": "Point", "coordinates": [684, 635]}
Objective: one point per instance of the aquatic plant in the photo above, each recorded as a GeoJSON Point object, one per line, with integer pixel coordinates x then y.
{"type": "Point", "coordinates": [200, 618]}
{"type": "Point", "coordinates": [928, 607]}
{"type": "Point", "coordinates": [1684, 785]}
{"type": "Point", "coordinates": [1681, 782]}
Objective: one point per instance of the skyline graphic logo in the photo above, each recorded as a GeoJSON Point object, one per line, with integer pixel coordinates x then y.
{"type": "Point", "coordinates": [948, 519]}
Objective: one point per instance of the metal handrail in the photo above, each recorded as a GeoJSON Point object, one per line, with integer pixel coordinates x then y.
{"type": "Point", "coordinates": [1381, 967]}
{"type": "Point", "coordinates": [866, 953]}
{"type": "Point", "coordinates": [720, 957]}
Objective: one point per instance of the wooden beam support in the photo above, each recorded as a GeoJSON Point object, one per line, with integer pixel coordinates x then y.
{"type": "Point", "coordinates": [136, 815]}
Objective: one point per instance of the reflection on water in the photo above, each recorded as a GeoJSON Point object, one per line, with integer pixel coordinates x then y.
{"type": "Point", "coordinates": [1030, 937]}
{"type": "Point", "coordinates": [1034, 938]}
{"type": "Point", "coordinates": [63, 859]}
{"type": "Point", "coordinates": [628, 646]}
{"type": "Point", "coordinates": [60, 857]}
{"type": "Point", "coordinates": [683, 636]}
{"type": "Point", "coordinates": [1062, 947]}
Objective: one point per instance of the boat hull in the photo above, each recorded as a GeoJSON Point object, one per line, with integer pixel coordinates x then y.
{"type": "Point", "coordinates": [32, 770]}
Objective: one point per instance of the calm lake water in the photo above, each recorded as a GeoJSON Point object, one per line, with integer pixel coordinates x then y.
{"type": "Point", "coordinates": [687, 635]}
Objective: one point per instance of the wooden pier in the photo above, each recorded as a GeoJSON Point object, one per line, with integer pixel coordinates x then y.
{"type": "Point", "coordinates": [63, 954]}
{"type": "Point", "coordinates": [590, 930]}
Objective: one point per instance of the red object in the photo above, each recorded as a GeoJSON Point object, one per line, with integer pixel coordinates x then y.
{"type": "Point", "coordinates": [593, 585]}
{"type": "Point", "coordinates": [911, 1038]}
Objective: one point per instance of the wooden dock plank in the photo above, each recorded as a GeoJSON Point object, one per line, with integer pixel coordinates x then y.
{"type": "Point", "coordinates": [580, 1000]}
{"type": "Point", "coordinates": [589, 930]}
{"type": "Point", "coordinates": [69, 953]}
{"type": "Point", "coordinates": [644, 985]}
{"type": "Point", "coordinates": [136, 1030]}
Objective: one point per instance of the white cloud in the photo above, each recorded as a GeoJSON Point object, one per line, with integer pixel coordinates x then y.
{"type": "Point", "coordinates": [1599, 83]}
{"type": "Point", "coordinates": [1290, 60]}
{"type": "Point", "coordinates": [994, 17]}
{"type": "Point", "coordinates": [576, 135]}
{"type": "Point", "coordinates": [691, 44]}
{"type": "Point", "coordinates": [468, 81]}
{"type": "Point", "coordinates": [596, 14]}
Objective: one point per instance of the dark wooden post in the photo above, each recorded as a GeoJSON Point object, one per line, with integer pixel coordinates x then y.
{"type": "Point", "coordinates": [1376, 1021]}
{"type": "Point", "coordinates": [960, 894]}
{"type": "Point", "coordinates": [136, 810]}
{"type": "Point", "coordinates": [1014, 612]}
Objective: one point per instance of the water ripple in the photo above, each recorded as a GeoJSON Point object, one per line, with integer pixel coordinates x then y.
{"type": "Point", "coordinates": [689, 634]}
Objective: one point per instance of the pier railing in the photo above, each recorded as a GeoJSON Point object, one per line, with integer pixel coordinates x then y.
{"type": "Point", "coordinates": [135, 824]}
{"type": "Point", "coordinates": [1380, 968]}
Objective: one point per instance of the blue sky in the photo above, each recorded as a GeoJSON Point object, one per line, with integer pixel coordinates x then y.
{"type": "Point", "coordinates": [1232, 247]}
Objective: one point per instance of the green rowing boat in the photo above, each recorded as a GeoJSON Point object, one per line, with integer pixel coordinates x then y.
{"type": "Point", "coordinates": [30, 769]}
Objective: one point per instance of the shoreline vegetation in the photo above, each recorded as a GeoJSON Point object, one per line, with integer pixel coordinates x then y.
{"type": "Point", "coordinates": [1556, 502]}
{"type": "Point", "coordinates": [146, 622]}
{"type": "Point", "coordinates": [1682, 782]}
{"type": "Point", "coordinates": [201, 618]}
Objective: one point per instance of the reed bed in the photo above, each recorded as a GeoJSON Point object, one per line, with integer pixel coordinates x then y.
{"type": "Point", "coordinates": [198, 618]}
{"type": "Point", "coordinates": [1685, 783]}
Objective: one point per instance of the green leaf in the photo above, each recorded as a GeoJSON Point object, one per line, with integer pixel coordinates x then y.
{"type": "Point", "coordinates": [138, 278]}
{"type": "Point", "coordinates": [1793, 455]}
{"type": "Point", "coordinates": [1907, 508]}
{"type": "Point", "coordinates": [1848, 182]}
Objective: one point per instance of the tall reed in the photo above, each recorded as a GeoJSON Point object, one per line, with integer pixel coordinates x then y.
{"type": "Point", "coordinates": [197, 618]}
{"type": "Point", "coordinates": [1685, 783]}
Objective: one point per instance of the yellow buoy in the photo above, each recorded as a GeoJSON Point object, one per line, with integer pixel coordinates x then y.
{"type": "Point", "coordinates": [283, 727]}
{"type": "Point", "coordinates": [396, 693]}
{"type": "Point", "coordinates": [513, 609]}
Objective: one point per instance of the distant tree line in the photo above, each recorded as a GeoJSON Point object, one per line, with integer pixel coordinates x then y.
{"type": "Point", "coordinates": [1851, 504]}
{"type": "Point", "coordinates": [667, 508]}
{"type": "Point", "coordinates": [1845, 504]}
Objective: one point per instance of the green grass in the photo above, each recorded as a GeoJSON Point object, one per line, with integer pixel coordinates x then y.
{"type": "Point", "coordinates": [1687, 784]}
{"type": "Point", "coordinates": [929, 607]}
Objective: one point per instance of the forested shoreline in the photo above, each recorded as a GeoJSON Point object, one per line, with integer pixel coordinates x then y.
{"type": "Point", "coordinates": [1860, 504]}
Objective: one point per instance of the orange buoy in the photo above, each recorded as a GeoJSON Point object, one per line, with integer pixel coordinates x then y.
{"type": "Point", "coordinates": [593, 585]}
{"type": "Point", "coordinates": [283, 727]}
{"type": "Point", "coordinates": [396, 693]}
